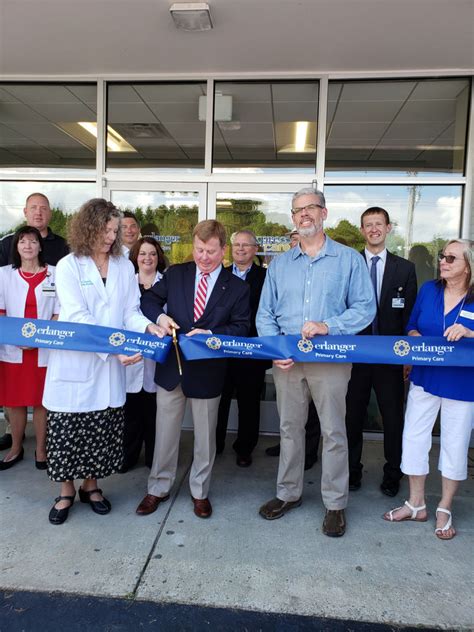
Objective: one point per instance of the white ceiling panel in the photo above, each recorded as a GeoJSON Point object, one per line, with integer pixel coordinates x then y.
{"type": "Point", "coordinates": [65, 112]}
{"type": "Point", "coordinates": [41, 93]}
{"type": "Point", "coordinates": [409, 130]}
{"type": "Point", "coordinates": [306, 111]}
{"type": "Point", "coordinates": [251, 112]}
{"type": "Point", "coordinates": [14, 112]}
{"type": "Point", "coordinates": [368, 111]}
{"type": "Point", "coordinates": [130, 113]}
{"type": "Point", "coordinates": [176, 112]}
{"type": "Point", "coordinates": [295, 92]}
{"type": "Point", "coordinates": [170, 93]}
{"type": "Point", "coordinates": [447, 89]}
{"type": "Point", "coordinates": [441, 110]}
{"type": "Point", "coordinates": [250, 132]}
{"type": "Point", "coordinates": [381, 91]}
{"type": "Point", "coordinates": [361, 131]}
{"type": "Point", "coordinates": [188, 131]}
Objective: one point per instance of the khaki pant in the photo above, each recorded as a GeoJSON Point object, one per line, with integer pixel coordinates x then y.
{"type": "Point", "coordinates": [170, 408]}
{"type": "Point", "coordinates": [326, 384]}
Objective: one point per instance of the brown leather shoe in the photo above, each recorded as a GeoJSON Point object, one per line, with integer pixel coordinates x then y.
{"type": "Point", "coordinates": [334, 524]}
{"type": "Point", "coordinates": [150, 504]}
{"type": "Point", "coordinates": [277, 508]}
{"type": "Point", "coordinates": [202, 507]}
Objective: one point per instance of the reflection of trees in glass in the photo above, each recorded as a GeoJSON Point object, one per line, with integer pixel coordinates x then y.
{"type": "Point", "coordinates": [348, 232]}
{"type": "Point", "coordinates": [245, 213]}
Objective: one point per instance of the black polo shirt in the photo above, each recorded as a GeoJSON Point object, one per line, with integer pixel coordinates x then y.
{"type": "Point", "coordinates": [55, 248]}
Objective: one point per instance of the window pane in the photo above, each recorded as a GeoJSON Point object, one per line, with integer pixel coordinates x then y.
{"type": "Point", "coordinates": [397, 127]}
{"type": "Point", "coordinates": [266, 214]}
{"type": "Point", "coordinates": [265, 127]}
{"type": "Point", "coordinates": [40, 130]}
{"type": "Point", "coordinates": [155, 126]}
{"type": "Point", "coordinates": [169, 216]}
{"type": "Point", "coordinates": [423, 218]}
{"type": "Point", "coordinates": [64, 198]}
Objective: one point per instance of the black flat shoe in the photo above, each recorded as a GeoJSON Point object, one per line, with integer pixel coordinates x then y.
{"type": "Point", "coordinates": [40, 465]}
{"type": "Point", "coordinates": [6, 465]}
{"type": "Point", "coordinates": [101, 507]}
{"type": "Point", "coordinates": [58, 516]}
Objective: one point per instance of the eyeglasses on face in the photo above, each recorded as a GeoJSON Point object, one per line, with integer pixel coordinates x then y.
{"type": "Point", "coordinates": [309, 207]}
{"type": "Point", "coordinates": [449, 258]}
{"type": "Point", "coordinates": [238, 244]}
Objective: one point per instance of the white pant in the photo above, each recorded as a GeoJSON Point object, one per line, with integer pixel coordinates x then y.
{"type": "Point", "coordinates": [456, 423]}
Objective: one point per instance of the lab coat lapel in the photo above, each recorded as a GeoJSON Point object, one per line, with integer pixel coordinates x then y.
{"type": "Point", "coordinates": [89, 272]}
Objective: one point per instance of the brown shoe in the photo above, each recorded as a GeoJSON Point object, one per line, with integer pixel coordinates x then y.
{"type": "Point", "coordinates": [334, 524]}
{"type": "Point", "coordinates": [150, 504]}
{"type": "Point", "coordinates": [202, 507]}
{"type": "Point", "coordinates": [277, 508]}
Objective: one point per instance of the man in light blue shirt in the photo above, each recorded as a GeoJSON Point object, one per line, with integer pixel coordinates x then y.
{"type": "Point", "coordinates": [318, 288]}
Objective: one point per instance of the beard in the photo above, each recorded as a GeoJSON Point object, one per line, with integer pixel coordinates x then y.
{"type": "Point", "coordinates": [310, 231]}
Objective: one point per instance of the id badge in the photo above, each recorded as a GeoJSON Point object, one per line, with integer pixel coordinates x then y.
{"type": "Point", "coordinates": [49, 290]}
{"type": "Point", "coordinates": [398, 302]}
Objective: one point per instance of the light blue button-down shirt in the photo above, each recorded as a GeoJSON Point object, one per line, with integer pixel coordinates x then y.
{"type": "Point", "coordinates": [333, 287]}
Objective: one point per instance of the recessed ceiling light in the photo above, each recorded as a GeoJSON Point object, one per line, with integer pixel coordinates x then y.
{"type": "Point", "coordinates": [191, 16]}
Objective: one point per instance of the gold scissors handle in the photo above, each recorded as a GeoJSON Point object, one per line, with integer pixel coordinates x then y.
{"type": "Point", "coordinates": [176, 348]}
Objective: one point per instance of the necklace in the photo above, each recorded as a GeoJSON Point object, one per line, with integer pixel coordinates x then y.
{"type": "Point", "coordinates": [29, 275]}
{"type": "Point", "coordinates": [101, 265]}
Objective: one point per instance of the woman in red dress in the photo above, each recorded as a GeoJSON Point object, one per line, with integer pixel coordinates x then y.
{"type": "Point", "coordinates": [28, 291]}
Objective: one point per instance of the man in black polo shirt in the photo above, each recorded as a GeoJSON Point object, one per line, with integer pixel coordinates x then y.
{"type": "Point", "coordinates": [37, 214]}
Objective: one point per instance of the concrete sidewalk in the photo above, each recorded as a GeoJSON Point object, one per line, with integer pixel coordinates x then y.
{"type": "Point", "coordinates": [378, 572]}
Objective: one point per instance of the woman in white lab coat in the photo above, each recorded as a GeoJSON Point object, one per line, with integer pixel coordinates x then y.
{"type": "Point", "coordinates": [140, 406]}
{"type": "Point", "coordinates": [28, 291]}
{"type": "Point", "coordinates": [85, 392]}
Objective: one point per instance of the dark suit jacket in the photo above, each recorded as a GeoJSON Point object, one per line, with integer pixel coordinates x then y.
{"type": "Point", "coordinates": [399, 281]}
{"type": "Point", "coordinates": [227, 313]}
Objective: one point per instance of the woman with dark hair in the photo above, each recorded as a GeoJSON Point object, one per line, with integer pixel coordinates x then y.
{"type": "Point", "coordinates": [85, 392]}
{"type": "Point", "coordinates": [28, 291]}
{"type": "Point", "coordinates": [443, 308]}
{"type": "Point", "coordinates": [140, 406]}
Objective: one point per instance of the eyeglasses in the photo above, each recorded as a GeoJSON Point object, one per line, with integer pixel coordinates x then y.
{"type": "Point", "coordinates": [449, 258]}
{"type": "Point", "coordinates": [308, 207]}
{"type": "Point", "coordinates": [237, 244]}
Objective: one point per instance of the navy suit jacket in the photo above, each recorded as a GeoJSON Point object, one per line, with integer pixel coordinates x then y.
{"type": "Point", "coordinates": [399, 281]}
{"type": "Point", "coordinates": [227, 313]}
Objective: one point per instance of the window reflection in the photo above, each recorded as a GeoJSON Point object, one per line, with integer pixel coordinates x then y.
{"type": "Point", "coordinates": [265, 127]}
{"type": "Point", "coordinates": [40, 129]}
{"type": "Point", "coordinates": [397, 127]}
{"type": "Point", "coordinates": [168, 216]}
{"type": "Point", "coordinates": [423, 219]}
{"type": "Point", "coordinates": [159, 124]}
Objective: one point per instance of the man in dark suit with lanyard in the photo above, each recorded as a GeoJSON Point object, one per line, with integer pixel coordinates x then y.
{"type": "Point", "coordinates": [201, 297]}
{"type": "Point", "coordinates": [246, 377]}
{"type": "Point", "coordinates": [395, 287]}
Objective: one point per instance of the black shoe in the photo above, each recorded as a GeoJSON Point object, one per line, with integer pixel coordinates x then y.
{"type": "Point", "coordinates": [310, 460]}
{"type": "Point", "coordinates": [6, 441]}
{"type": "Point", "coordinates": [355, 483]}
{"type": "Point", "coordinates": [6, 465]}
{"type": "Point", "coordinates": [273, 450]}
{"type": "Point", "coordinates": [390, 488]}
{"type": "Point", "coordinates": [244, 460]}
{"type": "Point", "coordinates": [101, 507]}
{"type": "Point", "coordinates": [40, 465]}
{"type": "Point", "coordinates": [58, 516]}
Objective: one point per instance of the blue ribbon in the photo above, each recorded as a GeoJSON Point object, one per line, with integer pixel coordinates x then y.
{"type": "Point", "coordinates": [53, 334]}
{"type": "Point", "coordinates": [427, 351]}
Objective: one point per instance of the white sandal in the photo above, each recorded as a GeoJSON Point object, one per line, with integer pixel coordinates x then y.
{"type": "Point", "coordinates": [414, 512]}
{"type": "Point", "coordinates": [441, 531]}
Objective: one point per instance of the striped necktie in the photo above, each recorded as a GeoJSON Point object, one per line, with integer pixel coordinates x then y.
{"type": "Point", "coordinates": [200, 300]}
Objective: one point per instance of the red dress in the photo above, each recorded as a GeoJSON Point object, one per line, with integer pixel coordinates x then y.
{"type": "Point", "coordinates": [23, 384]}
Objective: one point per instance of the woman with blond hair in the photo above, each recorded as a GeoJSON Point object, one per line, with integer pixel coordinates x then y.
{"type": "Point", "coordinates": [85, 392]}
{"type": "Point", "coordinates": [443, 308]}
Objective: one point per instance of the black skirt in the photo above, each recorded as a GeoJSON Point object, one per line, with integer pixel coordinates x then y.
{"type": "Point", "coordinates": [84, 445]}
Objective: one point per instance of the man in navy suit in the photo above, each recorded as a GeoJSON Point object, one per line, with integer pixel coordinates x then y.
{"type": "Point", "coordinates": [246, 377]}
{"type": "Point", "coordinates": [201, 297]}
{"type": "Point", "coordinates": [394, 280]}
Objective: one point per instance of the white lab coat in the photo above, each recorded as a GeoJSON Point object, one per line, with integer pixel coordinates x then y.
{"type": "Point", "coordinates": [14, 290]}
{"type": "Point", "coordinates": [142, 374]}
{"type": "Point", "coordinates": [78, 381]}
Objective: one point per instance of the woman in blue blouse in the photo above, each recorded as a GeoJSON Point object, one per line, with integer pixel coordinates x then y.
{"type": "Point", "coordinates": [442, 308]}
